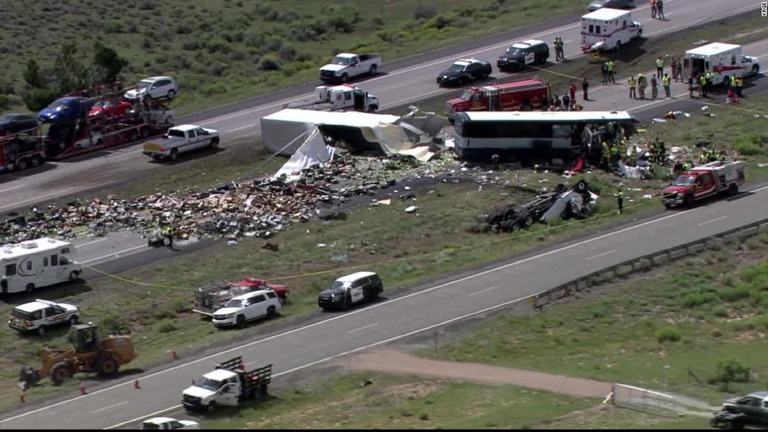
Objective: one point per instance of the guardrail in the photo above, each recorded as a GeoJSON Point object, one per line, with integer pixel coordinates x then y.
{"type": "Point", "coordinates": [646, 263]}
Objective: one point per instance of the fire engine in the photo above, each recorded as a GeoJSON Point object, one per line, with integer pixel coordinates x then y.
{"type": "Point", "coordinates": [522, 95]}
{"type": "Point", "coordinates": [90, 132]}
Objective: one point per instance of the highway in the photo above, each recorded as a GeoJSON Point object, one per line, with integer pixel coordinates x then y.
{"type": "Point", "coordinates": [399, 317]}
{"type": "Point", "coordinates": [395, 88]}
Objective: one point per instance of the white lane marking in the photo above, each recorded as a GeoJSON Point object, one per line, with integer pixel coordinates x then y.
{"type": "Point", "coordinates": [109, 407]}
{"type": "Point", "coordinates": [482, 291]}
{"type": "Point", "coordinates": [363, 328]}
{"type": "Point", "coordinates": [113, 254]}
{"type": "Point", "coordinates": [713, 220]}
{"type": "Point", "coordinates": [91, 242]}
{"type": "Point", "coordinates": [36, 198]}
{"type": "Point", "coordinates": [11, 188]}
{"type": "Point", "coordinates": [601, 254]}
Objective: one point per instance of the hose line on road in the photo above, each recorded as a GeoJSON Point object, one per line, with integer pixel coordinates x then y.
{"type": "Point", "coordinates": [516, 236]}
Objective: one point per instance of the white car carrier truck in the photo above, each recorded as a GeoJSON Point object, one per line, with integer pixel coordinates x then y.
{"type": "Point", "coordinates": [343, 97]}
{"type": "Point", "coordinates": [34, 264]}
{"type": "Point", "coordinates": [721, 59]}
{"type": "Point", "coordinates": [608, 29]}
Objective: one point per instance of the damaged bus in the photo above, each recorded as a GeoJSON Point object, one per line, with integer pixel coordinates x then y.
{"type": "Point", "coordinates": [529, 136]}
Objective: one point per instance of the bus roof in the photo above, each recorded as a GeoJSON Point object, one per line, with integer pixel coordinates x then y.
{"type": "Point", "coordinates": [606, 14]}
{"type": "Point", "coordinates": [712, 49]}
{"type": "Point", "coordinates": [545, 116]}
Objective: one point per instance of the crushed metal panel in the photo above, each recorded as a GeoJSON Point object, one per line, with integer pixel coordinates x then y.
{"type": "Point", "coordinates": [313, 151]}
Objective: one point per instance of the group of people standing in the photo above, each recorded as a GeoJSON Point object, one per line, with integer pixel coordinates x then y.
{"type": "Point", "coordinates": [657, 9]}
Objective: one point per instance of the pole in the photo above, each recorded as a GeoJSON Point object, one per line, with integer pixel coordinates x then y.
{"type": "Point", "coordinates": [666, 377]}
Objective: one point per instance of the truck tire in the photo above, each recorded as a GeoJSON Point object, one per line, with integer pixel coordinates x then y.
{"type": "Point", "coordinates": [21, 164]}
{"type": "Point", "coordinates": [688, 201]}
{"type": "Point", "coordinates": [74, 276]}
{"type": "Point", "coordinates": [73, 321]}
{"type": "Point", "coordinates": [36, 161]}
{"type": "Point", "coordinates": [618, 46]}
{"type": "Point", "coordinates": [174, 154]}
{"type": "Point", "coordinates": [271, 312]}
{"type": "Point", "coordinates": [733, 189]}
{"type": "Point", "coordinates": [60, 372]}
{"type": "Point", "coordinates": [214, 144]}
{"type": "Point", "coordinates": [108, 366]}
{"type": "Point", "coordinates": [344, 78]}
{"type": "Point", "coordinates": [30, 288]}
{"type": "Point", "coordinates": [241, 321]}
{"type": "Point", "coordinates": [755, 69]}
{"type": "Point", "coordinates": [171, 94]}
{"type": "Point", "coordinates": [373, 70]}
{"type": "Point", "coordinates": [211, 407]}
{"type": "Point", "coordinates": [373, 108]}
{"type": "Point", "coordinates": [42, 330]}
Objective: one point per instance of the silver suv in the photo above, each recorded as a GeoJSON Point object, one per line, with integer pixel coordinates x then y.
{"type": "Point", "coordinates": [41, 315]}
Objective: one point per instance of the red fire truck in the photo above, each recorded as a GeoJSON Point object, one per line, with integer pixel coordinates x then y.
{"type": "Point", "coordinates": [528, 94]}
{"type": "Point", "coordinates": [114, 121]}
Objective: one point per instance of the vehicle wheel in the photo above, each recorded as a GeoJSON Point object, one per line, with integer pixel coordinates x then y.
{"type": "Point", "coordinates": [271, 312]}
{"type": "Point", "coordinates": [174, 154]}
{"type": "Point", "coordinates": [688, 201]}
{"type": "Point", "coordinates": [22, 164]}
{"type": "Point", "coordinates": [618, 46]}
{"type": "Point", "coordinates": [211, 407]}
{"type": "Point", "coordinates": [755, 69]}
{"type": "Point", "coordinates": [373, 70]}
{"type": "Point", "coordinates": [73, 321]}
{"type": "Point", "coordinates": [30, 288]}
{"type": "Point", "coordinates": [109, 366]}
{"type": "Point", "coordinates": [640, 33]}
{"type": "Point", "coordinates": [373, 108]}
{"type": "Point", "coordinates": [214, 144]}
{"type": "Point", "coordinates": [42, 330]}
{"type": "Point", "coordinates": [60, 373]}
{"type": "Point", "coordinates": [344, 78]}
{"type": "Point", "coordinates": [241, 321]}
{"type": "Point", "coordinates": [733, 189]}
{"type": "Point", "coordinates": [74, 276]}
{"type": "Point", "coordinates": [171, 94]}
{"type": "Point", "coordinates": [36, 161]}
{"type": "Point", "coordinates": [347, 301]}
{"type": "Point", "coordinates": [169, 120]}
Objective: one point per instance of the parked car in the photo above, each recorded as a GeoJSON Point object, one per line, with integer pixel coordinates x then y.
{"type": "Point", "coordinates": [166, 423]}
{"type": "Point", "coordinates": [158, 87]}
{"type": "Point", "coordinates": [66, 110]}
{"type": "Point", "coordinates": [522, 54]}
{"type": "Point", "coordinates": [110, 109]}
{"type": "Point", "coordinates": [463, 71]}
{"type": "Point", "coordinates": [248, 307]}
{"type": "Point", "coordinates": [15, 123]}
{"type": "Point", "coordinates": [350, 290]}
{"type": "Point", "coordinates": [613, 4]}
{"type": "Point", "coordinates": [40, 315]}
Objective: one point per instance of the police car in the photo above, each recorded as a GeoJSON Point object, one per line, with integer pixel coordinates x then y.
{"type": "Point", "coordinates": [463, 71]}
{"type": "Point", "coordinates": [40, 315]}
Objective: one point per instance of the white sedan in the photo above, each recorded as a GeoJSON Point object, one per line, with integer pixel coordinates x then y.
{"type": "Point", "coordinates": [165, 423]}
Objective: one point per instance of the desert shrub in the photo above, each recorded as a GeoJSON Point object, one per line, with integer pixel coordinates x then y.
{"type": "Point", "coordinates": [424, 12]}
{"type": "Point", "coordinates": [733, 294]}
{"type": "Point", "coordinates": [440, 22]}
{"type": "Point", "coordinates": [667, 334]}
{"type": "Point", "coordinates": [748, 145]}
{"type": "Point", "coordinates": [287, 53]}
{"type": "Point", "coordinates": [730, 371]}
{"type": "Point", "coordinates": [270, 63]}
{"type": "Point", "coordinates": [166, 326]}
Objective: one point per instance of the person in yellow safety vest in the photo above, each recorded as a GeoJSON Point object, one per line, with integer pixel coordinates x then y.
{"type": "Point", "coordinates": [659, 67]}
{"type": "Point", "coordinates": [606, 155]}
{"type": "Point", "coordinates": [687, 165]}
{"type": "Point", "coordinates": [632, 87]}
{"type": "Point", "coordinates": [665, 83]}
{"type": "Point", "coordinates": [703, 86]}
{"type": "Point", "coordinates": [739, 84]}
{"type": "Point", "coordinates": [704, 158]}
{"type": "Point", "coordinates": [611, 71]}
{"type": "Point", "coordinates": [168, 234]}
{"type": "Point", "coordinates": [614, 154]}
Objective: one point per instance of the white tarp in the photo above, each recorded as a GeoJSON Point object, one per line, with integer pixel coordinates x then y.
{"type": "Point", "coordinates": [313, 151]}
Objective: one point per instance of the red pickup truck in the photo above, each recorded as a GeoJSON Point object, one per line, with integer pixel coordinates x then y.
{"type": "Point", "coordinates": [704, 181]}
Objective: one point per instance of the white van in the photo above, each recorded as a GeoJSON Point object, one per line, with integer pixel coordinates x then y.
{"type": "Point", "coordinates": [37, 263]}
{"type": "Point", "coordinates": [608, 29]}
{"type": "Point", "coordinates": [721, 59]}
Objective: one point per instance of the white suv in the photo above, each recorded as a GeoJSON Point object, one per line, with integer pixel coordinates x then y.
{"type": "Point", "coordinates": [40, 315]}
{"type": "Point", "coordinates": [247, 307]}
{"type": "Point", "coordinates": [158, 87]}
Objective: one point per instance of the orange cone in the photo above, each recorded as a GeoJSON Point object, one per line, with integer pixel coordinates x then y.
{"type": "Point", "coordinates": [82, 388]}
{"type": "Point", "coordinates": [136, 384]}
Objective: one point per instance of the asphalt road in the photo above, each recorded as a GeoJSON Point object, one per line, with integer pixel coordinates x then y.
{"type": "Point", "coordinates": [342, 334]}
{"type": "Point", "coordinates": [395, 88]}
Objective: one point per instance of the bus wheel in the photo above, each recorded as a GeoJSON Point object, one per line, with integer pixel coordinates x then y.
{"type": "Point", "coordinates": [495, 158]}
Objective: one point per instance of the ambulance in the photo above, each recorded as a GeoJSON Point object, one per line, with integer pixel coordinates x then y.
{"type": "Point", "coordinates": [608, 29]}
{"type": "Point", "coordinates": [721, 59]}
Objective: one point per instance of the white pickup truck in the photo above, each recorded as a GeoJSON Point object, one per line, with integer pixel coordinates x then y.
{"type": "Point", "coordinates": [345, 66]}
{"type": "Point", "coordinates": [180, 139]}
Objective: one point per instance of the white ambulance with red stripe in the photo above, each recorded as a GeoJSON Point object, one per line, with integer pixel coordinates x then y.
{"type": "Point", "coordinates": [608, 29]}
{"type": "Point", "coordinates": [721, 59]}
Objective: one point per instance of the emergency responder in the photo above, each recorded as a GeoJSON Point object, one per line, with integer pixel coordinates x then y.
{"type": "Point", "coordinates": [690, 86]}
{"type": "Point", "coordinates": [168, 234]}
{"type": "Point", "coordinates": [660, 10]}
{"type": "Point", "coordinates": [642, 84]}
{"type": "Point", "coordinates": [620, 200]}
{"type": "Point", "coordinates": [632, 87]}
{"type": "Point", "coordinates": [585, 88]}
{"type": "Point", "coordinates": [605, 155]}
{"type": "Point", "coordinates": [654, 87]}
{"type": "Point", "coordinates": [739, 84]}
{"type": "Point", "coordinates": [709, 77]}
{"type": "Point", "coordinates": [614, 154]}
{"type": "Point", "coordinates": [662, 153]}
{"type": "Point", "coordinates": [654, 150]}
{"type": "Point", "coordinates": [653, 8]}
{"type": "Point", "coordinates": [673, 68]}
{"type": "Point", "coordinates": [659, 67]}
{"type": "Point", "coordinates": [666, 83]}
{"type": "Point", "coordinates": [611, 71]}
{"type": "Point", "coordinates": [703, 85]}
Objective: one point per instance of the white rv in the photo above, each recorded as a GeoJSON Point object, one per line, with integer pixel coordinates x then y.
{"type": "Point", "coordinates": [37, 263]}
{"type": "Point", "coordinates": [721, 59]}
{"type": "Point", "coordinates": [608, 29]}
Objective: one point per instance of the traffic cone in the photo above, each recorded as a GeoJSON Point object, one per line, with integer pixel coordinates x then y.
{"type": "Point", "coordinates": [174, 355]}
{"type": "Point", "coordinates": [82, 388]}
{"type": "Point", "coordinates": [22, 397]}
{"type": "Point", "coordinates": [136, 384]}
